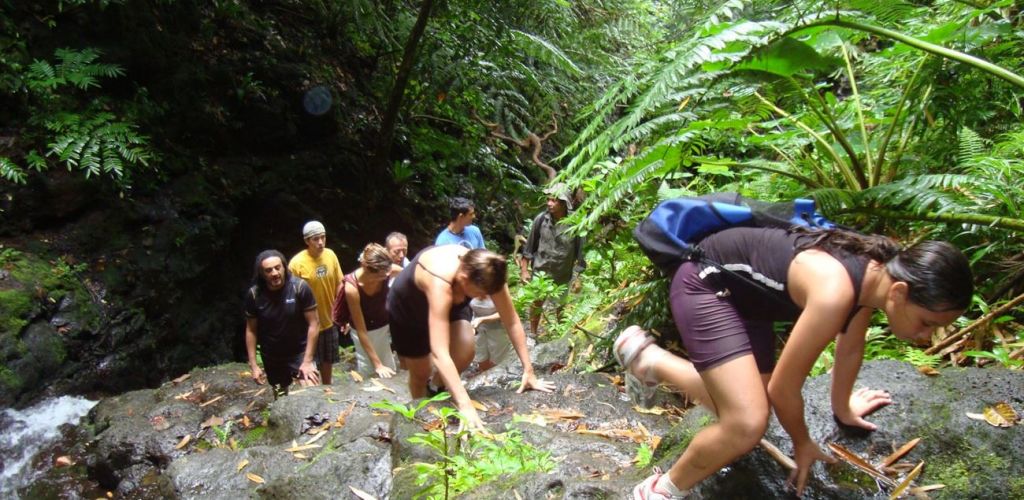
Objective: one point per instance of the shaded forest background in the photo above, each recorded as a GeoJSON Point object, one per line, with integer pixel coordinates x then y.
{"type": "Point", "coordinates": [148, 150]}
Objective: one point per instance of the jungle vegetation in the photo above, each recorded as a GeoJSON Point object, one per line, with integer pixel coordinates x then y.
{"type": "Point", "coordinates": [898, 117]}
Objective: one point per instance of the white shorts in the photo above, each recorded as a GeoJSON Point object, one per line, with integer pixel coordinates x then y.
{"type": "Point", "coordinates": [380, 339]}
{"type": "Point", "coordinates": [492, 344]}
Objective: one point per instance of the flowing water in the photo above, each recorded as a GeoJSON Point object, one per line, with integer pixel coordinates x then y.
{"type": "Point", "coordinates": [23, 433]}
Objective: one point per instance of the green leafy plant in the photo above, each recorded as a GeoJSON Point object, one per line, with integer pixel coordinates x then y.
{"type": "Point", "coordinates": [1000, 355]}
{"type": "Point", "coordinates": [468, 459]}
{"type": "Point", "coordinates": [644, 455]}
{"type": "Point", "coordinates": [465, 459]}
{"type": "Point", "coordinates": [410, 411]}
{"type": "Point", "coordinates": [90, 137]}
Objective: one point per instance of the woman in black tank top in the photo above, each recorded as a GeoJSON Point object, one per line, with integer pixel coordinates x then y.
{"type": "Point", "coordinates": [830, 282]}
{"type": "Point", "coordinates": [427, 310]}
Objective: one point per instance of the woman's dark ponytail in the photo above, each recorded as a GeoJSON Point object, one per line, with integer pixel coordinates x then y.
{"type": "Point", "coordinates": [937, 273]}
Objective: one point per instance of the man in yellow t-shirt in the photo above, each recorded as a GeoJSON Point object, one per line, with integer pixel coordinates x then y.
{"type": "Point", "coordinates": [318, 265]}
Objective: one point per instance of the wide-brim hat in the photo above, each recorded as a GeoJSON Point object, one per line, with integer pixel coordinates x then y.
{"type": "Point", "coordinates": [560, 191]}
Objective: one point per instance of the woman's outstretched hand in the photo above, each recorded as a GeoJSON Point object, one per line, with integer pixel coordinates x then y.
{"type": "Point", "coordinates": [864, 402]}
{"type": "Point", "coordinates": [805, 455]}
{"type": "Point", "coordinates": [530, 381]}
{"type": "Point", "coordinates": [470, 419]}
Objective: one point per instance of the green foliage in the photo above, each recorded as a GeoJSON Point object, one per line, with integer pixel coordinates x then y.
{"type": "Point", "coordinates": [466, 459]}
{"type": "Point", "coordinates": [78, 127]}
{"type": "Point", "coordinates": [409, 412]}
{"type": "Point", "coordinates": [1000, 355]}
{"type": "Point", "coordinates": [470, 459]}
{"type": "Point", "coordinates": [644, 456]}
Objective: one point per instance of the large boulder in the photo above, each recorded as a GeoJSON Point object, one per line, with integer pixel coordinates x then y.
{"type": "Point", "coordinates": [582, 441]}
{"type": "Point", "coordinates": [972, 459]}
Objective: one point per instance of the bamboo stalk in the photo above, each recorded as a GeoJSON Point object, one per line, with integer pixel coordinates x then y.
{"type": "Point", "coordinates": [976, 324]}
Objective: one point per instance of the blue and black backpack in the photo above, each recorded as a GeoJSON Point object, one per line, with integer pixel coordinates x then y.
{"type": "Point", "coordinates": [671, 233]}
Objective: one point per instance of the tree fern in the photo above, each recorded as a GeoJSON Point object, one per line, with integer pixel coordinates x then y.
{"type": "Point", "coordinates": [11, 171]}
{"type": "Point", "coordinates": [98, 144]}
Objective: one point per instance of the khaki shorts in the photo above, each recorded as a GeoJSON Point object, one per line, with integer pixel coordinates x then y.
{"type": "Point", "coordinates": [492, 343]}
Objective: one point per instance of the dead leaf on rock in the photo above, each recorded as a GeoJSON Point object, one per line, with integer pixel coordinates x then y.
{"type": "Point", "coordinates": [382, 386]}
{"type": "Point", "coordinates": [317, 436]}
{"type": "Point", "coordinates": [241, 465]}
{"type": "Point", "coordinates": [246, 423]}
{"type": "Point", "coordinates": [929, 371]}
{"type": "Point", "coordinates": [304, 447]}
{"type": "Point", "coordinates": [159, 423]}
{"type": "Point", "coordinates": [355, 375]}
{"type": "Point", "coordinates": [212, 421]}
{"type": "Point", "coordinates": [999, 415]}
{"type": "Point", "coordinates": [654, 410]}
{"type": "Point", "coordinates": [478, 405]}
{"type": "Point", "coordinates": [184, 441]}
{"type": "Point", "coordinates": [300, 456]}
{"type": "Point", "coordinates": [63, 461]}
{"type": "Point", "coordinates": [900, 488]}
{"type": "Point", "coordinates": [559, 414]}
{"type": "Point", "coordinates": [898, 454]}
{"type": "Point", "coordinates": [181, 378]}
{"type": "Point", "coordinates": [183, 395]}
{"type": "Point", "coordinates": [254, 478]}
{"type": "Point", "coordinates": [214, 400]}
{"type": "Point", "coordinates": [858, 462]}
{"type": "Point", "coordinates": [361, 494]}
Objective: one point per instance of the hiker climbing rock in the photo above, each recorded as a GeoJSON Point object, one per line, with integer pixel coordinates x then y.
{"type": "Point", "coordinates": [430, 319]}
{"type": "Point", "coordinates": [829, 282]}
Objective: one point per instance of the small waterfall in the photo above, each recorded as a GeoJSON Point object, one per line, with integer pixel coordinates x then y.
{"type": "Point", "coordinates": [23, 433]}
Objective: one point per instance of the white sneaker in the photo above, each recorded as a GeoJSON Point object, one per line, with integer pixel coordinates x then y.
{"type": "Point", "coordinates": [648, 490]}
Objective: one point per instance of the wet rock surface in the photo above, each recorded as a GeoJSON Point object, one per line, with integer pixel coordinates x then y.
{"type": "Point", "coordinates": [330, 442]}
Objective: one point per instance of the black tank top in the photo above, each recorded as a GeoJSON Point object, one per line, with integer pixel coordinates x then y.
{"type": "Point", "coordinates": [406, 303]}
{"type": "Point", "coordinates": [764, 256]}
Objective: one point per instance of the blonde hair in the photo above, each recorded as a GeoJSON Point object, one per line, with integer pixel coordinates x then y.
{"type": "Point", "coordinates": [375, 258]}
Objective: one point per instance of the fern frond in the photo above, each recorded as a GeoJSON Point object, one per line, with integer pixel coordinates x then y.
{"type": "Point", "coordinates": [11, 171]}
{"type": "Point", "coordinates": [545, 51]}
{"type": "Point", "coordinates": [971, 146]}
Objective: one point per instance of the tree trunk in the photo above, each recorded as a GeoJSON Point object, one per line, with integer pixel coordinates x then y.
{"type": "Point", "coordinates": [388, 123]}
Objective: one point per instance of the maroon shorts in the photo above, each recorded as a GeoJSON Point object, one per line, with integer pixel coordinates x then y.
{"type": "Point", "coordinates": [710, 325]}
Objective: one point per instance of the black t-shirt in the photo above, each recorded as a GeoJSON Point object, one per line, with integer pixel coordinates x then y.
{"type": "Point", "coordinates": [280, 317]}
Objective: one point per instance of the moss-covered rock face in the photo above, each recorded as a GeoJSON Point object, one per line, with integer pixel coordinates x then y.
{"type": "Point", "coordinates": [971, 458]}
{"type": "Point", "coordinates": [45, 313]}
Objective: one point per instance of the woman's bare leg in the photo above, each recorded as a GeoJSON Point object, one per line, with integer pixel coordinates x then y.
{"type": "Point", "coordinates": [419, 373]}
{"type": "Point", "coordinates": [736, 390]}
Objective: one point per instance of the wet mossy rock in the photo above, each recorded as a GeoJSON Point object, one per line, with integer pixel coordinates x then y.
{"type": "Point", "coordinates": [46, 316]}
{"type": "Point", "coordinates": [136, 449]}
{"type": "Point", "coordinates": [971, 458]}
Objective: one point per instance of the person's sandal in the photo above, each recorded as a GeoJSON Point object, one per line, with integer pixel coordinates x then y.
{"type": "Point", "coordinates": [628, 345]}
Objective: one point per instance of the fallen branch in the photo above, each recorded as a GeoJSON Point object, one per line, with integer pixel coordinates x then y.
{"type": "Point", "coordinates": [778, 455]}
{"type": "Point", "coordinates": [984, 320]}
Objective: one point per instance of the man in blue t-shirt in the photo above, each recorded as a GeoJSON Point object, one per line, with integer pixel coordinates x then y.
{"type": "Point", "coordinates": [461, 231]}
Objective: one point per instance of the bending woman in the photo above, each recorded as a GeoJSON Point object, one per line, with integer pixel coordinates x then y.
{"type": "Point", "coordinates": [430, 318]}
{"type": "Point", "coordinates": [830, 283]}
{"type": "Point", "coordinates": [362, 302]}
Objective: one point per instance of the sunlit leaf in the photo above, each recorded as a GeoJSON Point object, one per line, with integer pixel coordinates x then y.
{"type": "Point", "coordinates": [858, 462]}
{"type": "Point", "coordinates": [361, 494]}
{"type": "Point", "coordinates": [181, 378]}
{"type": "Point", "coordinates": [241, 465]}
{"type": "Point", "coordinates": [898, 454]}
{"type": "Point", "coordinates": [254, 478]}
{"type": "Point", "coordinates": [184, 441]}
{"type": "Point", "coordinates": [896, 492]}
{"type": "Point", "coordinates": [212, 421]}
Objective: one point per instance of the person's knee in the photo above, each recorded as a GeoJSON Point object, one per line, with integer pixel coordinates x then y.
{"type": "Point", "coordinates": [746, 430]}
